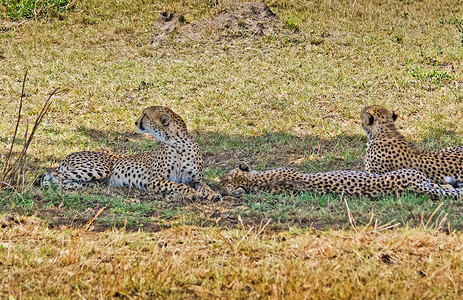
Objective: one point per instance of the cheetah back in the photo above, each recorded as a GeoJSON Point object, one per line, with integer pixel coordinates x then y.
{"type": "Point", "coordinates": [388, 150]}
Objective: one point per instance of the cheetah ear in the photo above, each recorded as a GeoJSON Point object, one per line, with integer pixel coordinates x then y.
{"type": "Point", "coordinates": [370, 119]}
{"type": "Point", "coordinates": [243, 167]}
{"type": "Point", "coordinates": [165, 119]}
{"type": "Point", "coordinates": [395, 115]}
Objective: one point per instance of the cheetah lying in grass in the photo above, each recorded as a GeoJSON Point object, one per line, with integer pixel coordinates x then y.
{"type": "Point", "coordinates": [356, 183]}
{"type": "Point", "coordinates": [176, 167]}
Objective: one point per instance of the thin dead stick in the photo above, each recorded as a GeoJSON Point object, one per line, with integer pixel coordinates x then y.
{"type": "Point", "coordinates": [430, 217]}
{"type": "Point", "coordinates": [369, 222]}
{"type": "Point", "coordinates": [387, 226]}
{"type": "Point", "coordinates": [11, 169]}
{"type": "Point", "coordinates": [8, 156]}
{"type": "Point", "coordinates": [90, 222]}
{"type": "Point", "coordinates": [241, 221]}
{"type": "Point", "coordinates": [42, 113]}
{"type": "Point", "coordinates": [440, 220]}
{"type": "Point", "coordinates": [263, 228]}
{"type": "Point", "coordinates": [349, 214]}
{"type": "Point", "coordinates": [242, 239]}
{"type": "Point", "coordinates": [23, 167]}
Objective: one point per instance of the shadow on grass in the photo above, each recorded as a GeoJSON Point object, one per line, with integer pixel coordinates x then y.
{"type": "Point", "coordinates": [304, 153]}
{"type": "Point", "coordinates": [221, 153]}
{"type": "Point", "coordinates": [141, 211]}
{"type": "Point", "coordinates": [436, 138]}
{"type": "Point", "coordinates": [269, 150]}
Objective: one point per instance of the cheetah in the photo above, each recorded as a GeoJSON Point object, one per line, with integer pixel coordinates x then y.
{"type": "Point", "coordinates": [176, 167]}
{"type": "Point", "coordinates": [355, 183]}
{"type": "Point", "coordinates": [388, 150]}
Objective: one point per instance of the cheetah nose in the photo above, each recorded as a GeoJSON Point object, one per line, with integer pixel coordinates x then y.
{"type": "Point", "coordinates": [139, 125]}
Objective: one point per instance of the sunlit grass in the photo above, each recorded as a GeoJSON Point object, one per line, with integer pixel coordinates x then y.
{"type": "Point", "coordinates": [246, 262]}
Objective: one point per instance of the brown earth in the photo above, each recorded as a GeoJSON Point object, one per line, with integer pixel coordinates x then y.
{"type": "Point", "coordinates": [249, 19]}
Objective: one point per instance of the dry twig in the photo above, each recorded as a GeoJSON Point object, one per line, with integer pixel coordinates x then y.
{"type": "Point", "coordinates": [10, 170]}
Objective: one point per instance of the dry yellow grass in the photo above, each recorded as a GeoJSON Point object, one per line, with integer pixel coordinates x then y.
{"type": "Point", "coordinates": [40, 262]}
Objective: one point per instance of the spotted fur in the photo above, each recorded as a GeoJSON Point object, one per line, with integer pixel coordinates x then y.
{"type": "Point", "coordinates": [176, 167]}
{"type": "Point", "coordinates": [388, 150]}
{"type": "Point", "coordinates": [355, 183]}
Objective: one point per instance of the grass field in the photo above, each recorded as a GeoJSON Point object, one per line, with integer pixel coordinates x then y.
{"type": "Point", "coordinates": [288, 99]}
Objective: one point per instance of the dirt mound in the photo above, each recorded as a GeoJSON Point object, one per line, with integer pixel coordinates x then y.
{"type": "Point", "coordinates": [249, 19]}
{"type": "Point", "coordinates": [165, 25]}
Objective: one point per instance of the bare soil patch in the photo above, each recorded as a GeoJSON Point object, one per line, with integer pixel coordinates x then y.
{"type": "Point", "coordinates": [237, 20]}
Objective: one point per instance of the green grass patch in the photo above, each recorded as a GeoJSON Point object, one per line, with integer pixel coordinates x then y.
{"type": "Point", "coordinates": [33, 9]}
{"type": "Point", "coordinates": [431, 76]}
{"type": "Point", "coordinates": [304, 210]}
{"type": "Point", "coordinates": [329, 211]}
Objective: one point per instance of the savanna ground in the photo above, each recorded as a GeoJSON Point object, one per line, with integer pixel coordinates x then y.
{"type": "Point", "coordinates": [288, 98]}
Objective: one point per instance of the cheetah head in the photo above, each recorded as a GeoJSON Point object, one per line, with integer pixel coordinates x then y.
{"type": "Point", "coordinates": [236, 182]}
{"type": "Point", "coordinates": [377, 118]}
{"type": "Point", "coordinates": [162, 123]}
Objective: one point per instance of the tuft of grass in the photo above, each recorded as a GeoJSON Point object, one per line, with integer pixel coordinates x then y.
{"type": "Point", "coordinates": [33, 9]}
{"type": "Point", "coordinates": [12, 174]}
{"type": "Point", "coordinates": [432, 76]}
{"type": "Point", "coordinates": [291, 23]}
{"type": "Point", "coordinates": [457, 22]}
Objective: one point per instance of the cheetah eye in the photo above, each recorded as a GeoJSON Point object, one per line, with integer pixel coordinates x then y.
{"type": "Point", "coordinates": [241, 190]}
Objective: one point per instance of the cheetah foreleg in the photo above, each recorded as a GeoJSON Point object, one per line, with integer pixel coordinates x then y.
{"type": "Point", "coordinates": [164, 186]}
{"type": "Point", "coordinates": [207, 192]}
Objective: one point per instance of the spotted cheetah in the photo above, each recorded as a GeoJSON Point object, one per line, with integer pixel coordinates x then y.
{"type": "Point", "coordinates": [356, 183]}
{"type": "Point", "coordinates": [388, 150]}
{"type": "Point", "coordinates": [176, 167]}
